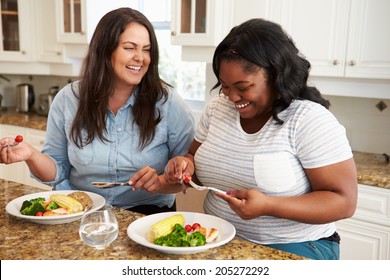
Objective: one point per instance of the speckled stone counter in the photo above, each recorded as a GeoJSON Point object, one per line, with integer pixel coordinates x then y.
{"type": "Point", "coordinates": [23, 240]}
{"type": "Point", "coordinates": [30, 120]}
{"type": "Point", "coordinates": [371, 170]}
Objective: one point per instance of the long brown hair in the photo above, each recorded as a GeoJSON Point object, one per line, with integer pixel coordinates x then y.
{"type": "Point", "coordinates": [97, 81]}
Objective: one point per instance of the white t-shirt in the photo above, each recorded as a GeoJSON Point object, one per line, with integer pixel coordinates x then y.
{"type": "Point", "coordinates": [271, 160]}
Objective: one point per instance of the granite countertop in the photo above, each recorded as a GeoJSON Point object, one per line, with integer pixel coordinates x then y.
{"type": "Point", "coordinates": [24, 240]}
{"type": "Point", "coordinates": [371, 169]}
{"type": "Point", "coordinates": [30, 120]}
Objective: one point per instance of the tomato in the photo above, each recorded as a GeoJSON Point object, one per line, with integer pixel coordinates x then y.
{"type": "Point", "coordinates": [195, 226]}
{"type": "Point", "coordinates": [19, 138]}
{"type": "Point", "coordinates": [187, 179]}
{"type": "Point", "coordinates": [188, 228]}
{"type": "Point", "coordinates": [39, 214]}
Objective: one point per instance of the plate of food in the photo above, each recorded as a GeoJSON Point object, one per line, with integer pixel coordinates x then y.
{"type": "Point", "coordinates": [57, 208]}
{"type": "Point", "coordinates": [164, 232]}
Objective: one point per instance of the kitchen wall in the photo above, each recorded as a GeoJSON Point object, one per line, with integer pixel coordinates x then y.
{"type": "Point", "coordinates": [368, 128]}
{"type": "Point", "coordinates": [41, 86]}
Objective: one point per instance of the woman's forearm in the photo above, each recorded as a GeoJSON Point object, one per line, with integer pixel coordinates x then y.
{"type": "Point", "coordinates": [41, 166]}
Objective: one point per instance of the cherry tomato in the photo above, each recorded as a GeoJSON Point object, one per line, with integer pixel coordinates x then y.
{"type": "Point", "coordinates": [187, 179]}
{"type": "Point", "coordinates": [188, 228]}
{"type": "Point", "coordinates": [19, 138]}
{"type": "Point", "coordinates": [195, 226]}
{"type": "Point", "coordinates": [39, 214]}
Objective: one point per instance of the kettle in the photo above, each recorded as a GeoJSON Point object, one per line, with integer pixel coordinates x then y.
{"type": "Point", "coordinates": [25, 98]}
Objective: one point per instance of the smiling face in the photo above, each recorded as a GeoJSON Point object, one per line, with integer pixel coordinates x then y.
{"type": "Point", "coordinates": [131, 59]}
{"type": "Point", "coordinates": [249, 91]}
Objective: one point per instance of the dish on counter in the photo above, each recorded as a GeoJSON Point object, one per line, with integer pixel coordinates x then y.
{"type": "Point", "coordinates": [13, 208]}
{"type": "Point", "coordinates": [137, 231]}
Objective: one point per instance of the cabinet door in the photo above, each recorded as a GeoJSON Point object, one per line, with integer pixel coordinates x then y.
{"type": "Point", "coordinates": [200, 22]}
{"type": "Point", "coordinates": [36, 138]}
{"type": "Point", "coordinates": [48, 47]}
{"type": "Point", "coordinates": [71, 25]}
{"type": "Point", "coordinates": [319, 29]}
{"type": "Point", "coordinates": [77, 19]}
{"type": "Point", "coordinates": [16, 30]}
{"type": "Point", "coordinates": [368, 53]}
{"type": "Point", "coordinates": [363, 241]}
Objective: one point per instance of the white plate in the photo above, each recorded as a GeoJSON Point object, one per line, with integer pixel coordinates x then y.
{"type": "Point", "coordinates": [13, 208]}
{"type": "Point", "coordinates": [137, 231]}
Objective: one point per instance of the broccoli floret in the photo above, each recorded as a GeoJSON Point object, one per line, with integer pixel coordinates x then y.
{"type": "Point", "coordinates": [52, 205]}
{"type": "Point", "coordinates": [177, 238]}
{"type": "Point", "coordinates": [39, 200]}
{"type": "Point", "coordinates": [180, 238]}
{"type": "Point", "coordinates": [33, 209]}
{"type": "Point", "coordinates": [179, 231]}
{"type": "Point", "coordinates": [196, 239]}
{"type": "Point", "coordinates": [25, 204]}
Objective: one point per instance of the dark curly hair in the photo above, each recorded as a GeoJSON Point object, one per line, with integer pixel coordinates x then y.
{"type": "Point", "coordinates": [258, 43]}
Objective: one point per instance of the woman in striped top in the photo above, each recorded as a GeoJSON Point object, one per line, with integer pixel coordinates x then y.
{"type": "Point", "coordinates": [271, 142]}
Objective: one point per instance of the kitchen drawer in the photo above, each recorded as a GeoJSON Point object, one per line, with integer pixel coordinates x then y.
{"type": "Point", "coordinates": [373, 205]}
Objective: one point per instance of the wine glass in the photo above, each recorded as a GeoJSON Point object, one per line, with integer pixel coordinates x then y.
{"type": "Point", "coordinates": [99, 229]}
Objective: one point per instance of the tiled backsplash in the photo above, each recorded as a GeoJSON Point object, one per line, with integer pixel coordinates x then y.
{"type": "Point", "coordinates": [368, 128]}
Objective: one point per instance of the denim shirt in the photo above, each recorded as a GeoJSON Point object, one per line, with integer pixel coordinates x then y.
{"type": "Point", "coordinates": [119, 158]}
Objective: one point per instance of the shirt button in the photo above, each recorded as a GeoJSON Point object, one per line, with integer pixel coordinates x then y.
{"type": "Point", "coordinates": [119, 129]}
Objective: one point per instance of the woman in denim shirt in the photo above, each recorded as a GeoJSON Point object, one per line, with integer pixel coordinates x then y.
{"type": "Point", "coordinates": [120, 122]}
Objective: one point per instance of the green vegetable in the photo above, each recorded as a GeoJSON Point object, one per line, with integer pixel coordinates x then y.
{"type": "Point", "coordinates": [196, 239]}
{"type": "Point", "coordinates": [180, 238]}
{"type": "Point", "coordinates": [52, 205]}
{"type": "Point", "coordinates": [37, 200]}
{"type": "Point", "coordinates": [32, 207]}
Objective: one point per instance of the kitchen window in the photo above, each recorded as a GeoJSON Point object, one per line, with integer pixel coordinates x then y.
{"type": "Point", "coordinates": [188, 78]}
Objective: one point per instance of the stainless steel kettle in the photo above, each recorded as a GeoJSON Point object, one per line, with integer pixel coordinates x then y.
{"type": "Point", "coordinates": [25, 98]}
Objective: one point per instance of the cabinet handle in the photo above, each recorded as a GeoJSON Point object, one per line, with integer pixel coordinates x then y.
{"type": "Point", "coordinates": [173, 33]}
{"type": "Point", "coordinates": [352, 63]}
{"type": "Point", "coordinates": [335, 62]}
{"type": "Point", "coordinates": [23, 52]}
{"type": "Point", "coordinates": [59, 53]}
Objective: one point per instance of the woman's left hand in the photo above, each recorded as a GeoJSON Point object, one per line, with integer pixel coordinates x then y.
{"type": "Point", "coordinates": [147, 179]}
{"type": "Point", "coordinates": [248, 204]}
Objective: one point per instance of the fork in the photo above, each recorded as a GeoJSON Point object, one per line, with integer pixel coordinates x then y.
{"type": "Point", "coordinates": [104, 185]}
{"type": "Point", "coordinates": [18, 139]}
{"type": "Point", "coordinates": [188, 180]}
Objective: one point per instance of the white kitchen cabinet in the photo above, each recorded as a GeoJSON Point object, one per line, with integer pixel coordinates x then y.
{"type": "Point", "coordinates": [200, 22]}
{"type": "Point", "coordinates": [36, 138]}
{"type": "Point", "coordinates": [76, 21]}
{"type": "Point", "coordinates": [49, 49]}
{"type": "Point", "coordinates": [199, 26]}
{"type": "Point", "coordinates": [366, 235]}
{"type": "Point", "coordinates": [16, 30]}
{"type": "Point", "coordinates": [19, 172]}
{"type": "Point", "coordinates": [341, 38]}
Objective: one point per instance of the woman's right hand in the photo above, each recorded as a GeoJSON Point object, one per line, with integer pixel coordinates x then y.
{"type": "Point", "coordinates": [18, 153]}
{"type": "Point", "coordinates": [177, 168]}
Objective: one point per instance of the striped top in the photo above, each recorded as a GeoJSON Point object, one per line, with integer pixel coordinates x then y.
{"type": "Point", "coordinates": [271, 160]}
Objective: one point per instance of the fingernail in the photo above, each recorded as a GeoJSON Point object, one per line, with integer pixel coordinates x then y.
{"type": "Point", "coordinates": [230, 192]}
